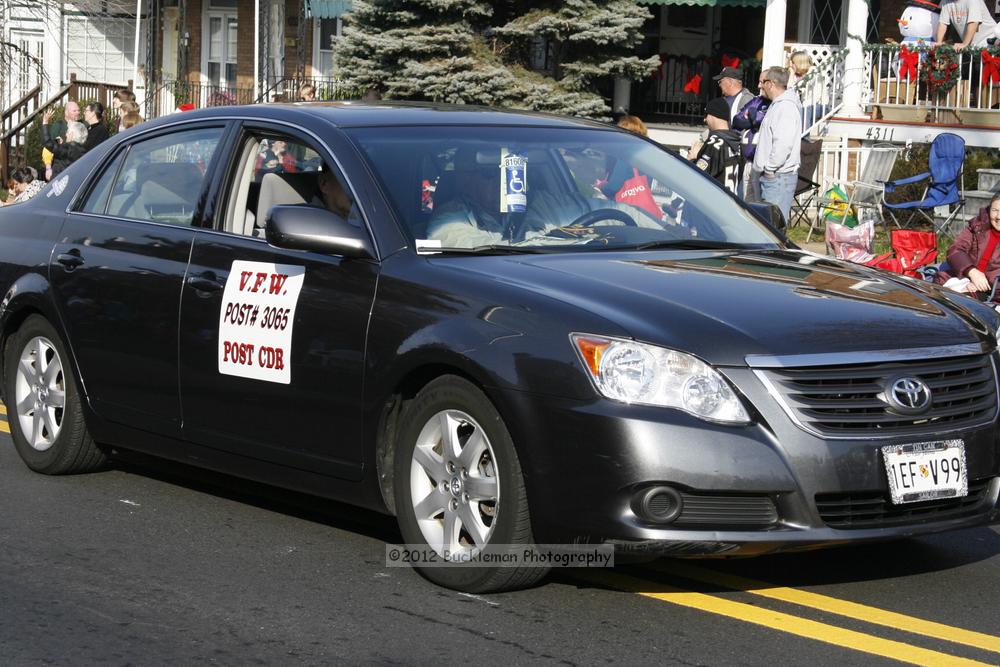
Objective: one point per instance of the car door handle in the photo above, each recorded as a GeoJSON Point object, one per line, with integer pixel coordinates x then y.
{"type": "Point", "coordinates": [70, 259]}
{"type": "Point", "coordinates": [206, 282]}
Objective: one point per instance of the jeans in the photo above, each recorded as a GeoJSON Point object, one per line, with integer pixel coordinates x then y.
{"type": "Point", "coordinates": [779, 190]}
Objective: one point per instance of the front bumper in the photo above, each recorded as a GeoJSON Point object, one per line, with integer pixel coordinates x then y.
{"type": "Point", "coordinates": [585, 462]}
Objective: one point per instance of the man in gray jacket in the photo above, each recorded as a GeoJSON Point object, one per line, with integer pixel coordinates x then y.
{"type": "Point", "coordinates": [776, 161]}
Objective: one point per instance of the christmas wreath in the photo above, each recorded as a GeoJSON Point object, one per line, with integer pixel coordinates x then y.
{"type": "Point", "coordinates": [940, 73]}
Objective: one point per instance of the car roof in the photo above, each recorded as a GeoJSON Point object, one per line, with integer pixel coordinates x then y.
{"type": "Point", "coordinates": [384, 114]}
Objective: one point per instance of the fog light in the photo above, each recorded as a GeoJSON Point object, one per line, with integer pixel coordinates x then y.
{"type": "Point", "coordinates": [658, 504]}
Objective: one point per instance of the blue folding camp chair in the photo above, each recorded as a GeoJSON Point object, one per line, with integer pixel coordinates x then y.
{"type": "Point", "coordinates": [945, 163]}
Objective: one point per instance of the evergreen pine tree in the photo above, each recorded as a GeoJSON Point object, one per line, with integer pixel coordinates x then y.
{"type": "Point", "coordinates": [446, 51]}
{"type": "Point", "coordinates": [589, 42]}
{"type": "Point", "coordinates": [423, 50]}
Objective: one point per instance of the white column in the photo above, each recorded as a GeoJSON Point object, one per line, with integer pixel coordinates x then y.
{"type": "Point", "coordinates": [52, 50]}
{"type": "Point", "coordinates": [854, 65]}
{"type": "Point", "coordinates": [135, 51]}
{"type": "Point", "coordinates": [256, 48]}
{"type": "Point", "coordinates": [774, 33]}
{"type": "Point", "coordinates": [804, 32]}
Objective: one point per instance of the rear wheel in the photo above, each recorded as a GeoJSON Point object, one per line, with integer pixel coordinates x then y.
{"type": "Point", "coordinates": [44, 411]}
{"type": "Point", "coordinates": [459, 487]}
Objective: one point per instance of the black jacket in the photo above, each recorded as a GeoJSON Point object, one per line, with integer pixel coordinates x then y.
{"type": "Point", "coordinates": [96, 133]}
{"type": "Point", "coordinates": [720, 157]}
{"type": "Point", "coordinates": [64, 154]}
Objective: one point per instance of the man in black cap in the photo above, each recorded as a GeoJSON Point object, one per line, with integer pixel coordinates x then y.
{"type": "Point", "coordinates": [720, 156]}
{"type": "Point", "coordinates": [731, 84]}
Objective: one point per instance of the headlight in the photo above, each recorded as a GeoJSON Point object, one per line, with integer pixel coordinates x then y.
{"type": "Point", "coordinates": [631, 372]}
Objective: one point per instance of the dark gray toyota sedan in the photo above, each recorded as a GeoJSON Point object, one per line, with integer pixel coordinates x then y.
{"type": "Point", "coordinates": [503, 328]}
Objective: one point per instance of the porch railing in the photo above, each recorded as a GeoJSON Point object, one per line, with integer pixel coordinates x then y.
{"type": "Point", "coordinates": [821, 91]}
{"type": "Point", "coordinates": [287, 89]}
{"type": "Point", "coordinates": [168, 96]}
{"type": "Point", "coordinates": [681, 88]}
{"type": "Point", "coordinates": [899, 79]}
{"type": "Point", "coordinates": [18, 118]}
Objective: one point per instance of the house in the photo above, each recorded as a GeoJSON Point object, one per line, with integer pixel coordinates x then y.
{"type": "Point", "coordinates": [214, 52]}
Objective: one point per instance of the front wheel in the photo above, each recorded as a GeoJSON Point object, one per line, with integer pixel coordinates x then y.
{"type": "Point", "coordinates": [459, 488]}
{"type": "Point", "coordinates": [45, 415]}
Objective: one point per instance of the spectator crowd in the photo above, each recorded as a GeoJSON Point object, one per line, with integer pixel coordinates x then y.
{"type": "Point", "coordinates": [64, 140]}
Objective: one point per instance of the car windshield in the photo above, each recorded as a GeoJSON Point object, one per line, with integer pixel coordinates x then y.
{"type": "Point", "coordinates": [533, 189]}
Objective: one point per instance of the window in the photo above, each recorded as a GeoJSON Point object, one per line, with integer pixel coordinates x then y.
{"type": "Point", "coordinates": [275, 170]}
{"type": "Point", "coordinates": [100, 49]}
{"type": "Point", "coordinates": [570, 187]}
{"type": "Point", "coordinates": [327, 31]}
{"type": "Point", "coordinates": [158, 180]}
{"type": "Point", "coordinates": [222, 36]}
{"type": "Point", "coordinates": [97, 200]}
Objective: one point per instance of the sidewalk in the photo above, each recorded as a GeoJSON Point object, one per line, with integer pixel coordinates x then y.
{"type": "Point", "coordinates": [818, 247]}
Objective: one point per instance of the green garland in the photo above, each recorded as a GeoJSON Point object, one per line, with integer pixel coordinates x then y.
{"type": "Point", "coordinates": [940, 71]}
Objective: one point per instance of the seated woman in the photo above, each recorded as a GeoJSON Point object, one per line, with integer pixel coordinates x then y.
{"type": "Point", "coordinates": [23, 186]}
{"type": "Point", "coordinates": [975, 254]}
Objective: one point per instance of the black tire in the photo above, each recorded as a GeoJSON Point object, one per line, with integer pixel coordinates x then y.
{"type": "Point", "coordinates": [71, 450]}
{"type": "Point", "coordinates": [510, 521]}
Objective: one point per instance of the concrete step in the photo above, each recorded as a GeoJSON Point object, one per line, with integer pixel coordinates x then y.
{"type": "Point", "coordinates": [977, 199]}
{"type": "Point", "coordinates": [989, 179]}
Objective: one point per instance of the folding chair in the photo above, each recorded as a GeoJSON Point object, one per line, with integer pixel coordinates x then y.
{"type": "Point", "coordinates": [868, 191]}
{"type": "Point", "coordinates": [806, 189]}
{"type": "Point", "coordinates": [945, 162]}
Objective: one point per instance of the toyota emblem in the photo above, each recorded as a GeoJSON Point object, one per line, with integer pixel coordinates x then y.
{"type": "Point", "coordinates": [908, 395]}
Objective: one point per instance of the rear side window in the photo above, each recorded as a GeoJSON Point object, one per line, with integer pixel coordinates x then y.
{"type": "Point", "coordinates": [159, 180]}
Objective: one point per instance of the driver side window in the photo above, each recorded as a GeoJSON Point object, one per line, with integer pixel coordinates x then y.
{"type": "Point", "coordinates": [275, 169]}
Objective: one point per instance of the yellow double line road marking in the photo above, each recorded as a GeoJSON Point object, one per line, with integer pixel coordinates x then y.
{"type": "Point", "coordinates": [802, 627]}
{"type": "Point", "coordinates": [832, 605]}
{"type": "Point", "coordinates": [4, 426]}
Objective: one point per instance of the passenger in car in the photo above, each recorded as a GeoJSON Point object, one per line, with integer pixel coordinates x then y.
{"type": "Point", "coordinates": [333, 195]}
{"type": "Point", "coordinates": [471, 216]}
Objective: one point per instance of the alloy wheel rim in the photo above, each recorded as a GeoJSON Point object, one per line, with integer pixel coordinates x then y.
{"type": "Point", "coordinates": [40, 393]}
{"type": "Point", "coordinates": [454, 485]}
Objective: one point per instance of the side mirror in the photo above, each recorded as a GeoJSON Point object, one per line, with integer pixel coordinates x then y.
{"type": "Point", "coordinates": [298, 227]}
{"type": "Point", "coordinates": [769, 213]}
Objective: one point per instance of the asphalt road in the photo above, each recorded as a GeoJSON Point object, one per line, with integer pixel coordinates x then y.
{"type": "Point", "coordinates": [155, 565]}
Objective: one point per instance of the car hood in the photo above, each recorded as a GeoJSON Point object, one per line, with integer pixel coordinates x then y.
{"type": "Point", "coordinates": [723, 306]}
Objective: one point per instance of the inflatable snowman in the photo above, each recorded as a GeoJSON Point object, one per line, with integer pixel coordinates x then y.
{"type": "Point", "coordinates": [918, 26]}
{"type": "Point", "coordinates": [919, 22]}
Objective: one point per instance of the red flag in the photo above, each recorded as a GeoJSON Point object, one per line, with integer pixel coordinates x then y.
{"type": "Point", "coordinates": [730, 61]}
{"type": "Point", "coordinates": [693, 84]}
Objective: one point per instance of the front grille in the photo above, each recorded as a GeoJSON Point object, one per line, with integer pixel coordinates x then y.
{"type": "Point", "coordinates": [721, 511]}
{"type": "Point", "coordinates": [848, 511]}
{"type": "Point", "coordinates": [844, 400]}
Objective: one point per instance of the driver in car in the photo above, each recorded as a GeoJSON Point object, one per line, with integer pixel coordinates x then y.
{"type": "Point", "coordinates": [472, 217]}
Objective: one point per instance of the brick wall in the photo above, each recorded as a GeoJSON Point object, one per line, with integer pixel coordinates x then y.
{"type": "Point", "coordinates": [245, 58]}
{"type": "Point", "coordinates": [192, 24]}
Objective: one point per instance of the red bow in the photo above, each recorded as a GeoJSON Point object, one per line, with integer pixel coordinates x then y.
{"type": "Point", "coordinates": [693, 84]}
{"type": "Point", "coordinates": [991, 68]}
{"type": "Point", "coordinates": [730, 61]}
{"type": "Point", "coordinates": [908, 63]}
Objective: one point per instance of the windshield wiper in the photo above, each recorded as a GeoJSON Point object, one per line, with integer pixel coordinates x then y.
{"type": "Point", "coordinates": [693, 244]}
{"type": "Point", "coordinates": [492, 249]}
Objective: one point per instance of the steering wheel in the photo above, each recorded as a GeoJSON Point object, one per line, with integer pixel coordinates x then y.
{"type": "Point", "coordinates": [590, 218]}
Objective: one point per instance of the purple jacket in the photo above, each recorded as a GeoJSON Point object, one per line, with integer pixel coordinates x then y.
{"type": "Point", "coordinates": [964, 253]}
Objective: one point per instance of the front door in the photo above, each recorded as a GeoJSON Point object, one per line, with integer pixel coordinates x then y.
{"type": "Point", "coordinates": [272, 340]}
{"type": "Point", "coordinates": [136, 222]}
{"type": "Point", "coordinates": [219, 52]}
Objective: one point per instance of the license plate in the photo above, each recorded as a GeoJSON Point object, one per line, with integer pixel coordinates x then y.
{"type": "Point", "coordinates": [926, 470]}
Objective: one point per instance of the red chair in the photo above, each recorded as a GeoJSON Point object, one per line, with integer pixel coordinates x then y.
{"type": "Point", "coordinates": [912, 250]}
